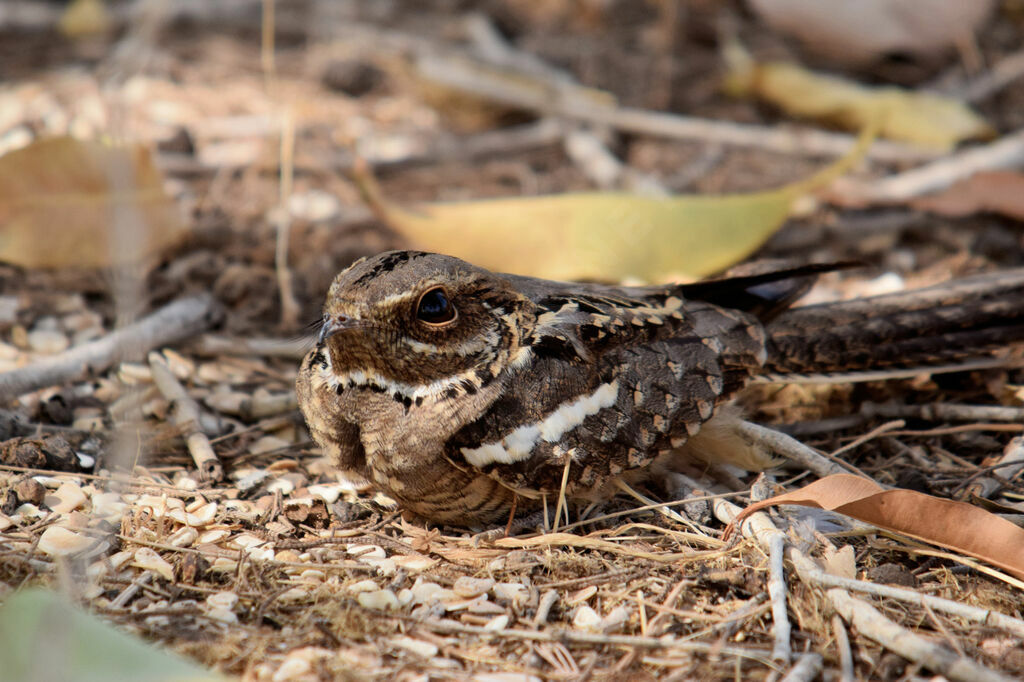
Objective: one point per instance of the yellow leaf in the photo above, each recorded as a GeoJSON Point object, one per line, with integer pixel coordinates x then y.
{"type": "Point", "coordinates": [69, 203]}
{"type": "Point", "coordinates": [85, 18]}
{"type": "Point", "coordinates": [921, 118]}
{"type": "Point", "coordinates": [604, 236]}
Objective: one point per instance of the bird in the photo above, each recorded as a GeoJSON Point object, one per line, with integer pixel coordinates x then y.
{"type": "Point", "coordinates": [466, 395]}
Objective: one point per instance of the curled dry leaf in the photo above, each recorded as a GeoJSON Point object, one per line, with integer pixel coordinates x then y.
{"type": "Point", "coordinates": [921, 118]}
{"type": "Point", "coordinates": [999, 192]}
{"type": "Point", "coordinates": [855, 32]}
{"type": "Point", "coordinates": [955, 525]}
{"type": "Point", "coordinates": [604, 236]}
{"type": "Point", "coordinates": [70, 203]}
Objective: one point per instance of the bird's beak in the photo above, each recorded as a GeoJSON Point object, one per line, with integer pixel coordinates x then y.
{"type": "Point", "coordinates": [332, 324]}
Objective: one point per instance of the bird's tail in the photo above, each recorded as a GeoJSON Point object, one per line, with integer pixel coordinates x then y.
{"type": "Point", "coordinates": [959, 324]}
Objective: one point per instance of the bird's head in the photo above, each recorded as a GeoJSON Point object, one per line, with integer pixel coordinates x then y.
{"type": "Point", "coordinates": [420, 319]}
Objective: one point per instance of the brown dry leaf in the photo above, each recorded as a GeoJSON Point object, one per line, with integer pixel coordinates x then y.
{"type": "Point", "coordinates": [605, 236]}
{"type": "Point", "coordinates": [989, 191]}
{"type": "Point", "coordinates": [947, 523]}
{"type": "Point", "coordinates": [71, 203]}
{"type": "Point", "coordinates": [856, 32]}
{"type": "Point", "coordinates": [921, 118]}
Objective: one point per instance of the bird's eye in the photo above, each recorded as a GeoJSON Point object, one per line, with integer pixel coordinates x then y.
{"type": "Point", "coordinates": [435, 308]}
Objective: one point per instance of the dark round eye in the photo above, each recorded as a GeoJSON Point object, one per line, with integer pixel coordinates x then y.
{"type": "Point", "coordinates": [435, 308]}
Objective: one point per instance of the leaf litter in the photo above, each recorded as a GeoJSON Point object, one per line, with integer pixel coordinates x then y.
{"type": "Point", "coordinates": [284, 571]}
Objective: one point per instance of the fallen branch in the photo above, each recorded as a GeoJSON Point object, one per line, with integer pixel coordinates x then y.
{"type": "Point", "coordinates": [781, 629]}
{"type": "Point", "coordinates": [759, 526]}
{"type": "Point", "coordinates": [873, 625]}
{"type": "Point", "coordinates": [536, 93]}
{"type": "Point", "coordinates": [1006, 152]}
{"type": "Point", "coordinates": [176, 321]}
{"type": "Point", "coordinates": [185, 415]}
{"type": "Point", "coordinates": [945, 411]}
{"type": "Point", "coordinates": [790, 448]}
{"type": "Point", "coordinates": [806, 669]}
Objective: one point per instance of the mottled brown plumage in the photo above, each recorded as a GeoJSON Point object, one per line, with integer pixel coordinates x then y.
{"type": "Point", "coordinates": [455, 390]}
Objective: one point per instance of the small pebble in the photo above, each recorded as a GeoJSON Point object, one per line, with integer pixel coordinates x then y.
{"type": "Point", "coordinates": [586, 618]}
{"type": "Point", "coordinates": [67, 498]}
{"type": "Point", "coordinates": [511, 592]}
{"type": "Point", "coordinates": [222, 600]}
{"type": "Point", "coordinates": [328, 493]}
{"type": "Point", "coordinates": [30, 490]}
{"type": "Point", "coordinates": [291, 668]}
{"type": "Point", "coordinates": [581, 596]}
{"type": "Point", "coordinates": [416, 646]}
{"type": "Point", "coordinates": [183, 537]}
{"type": "Point", "coordinates": [268, 444]}
{"type": "Point", "coordinates": [47, 341]}
{"type": "Point", "coordinates": [212, 536]}
{"type": "Point", "coordinates": [149, 560]}
{"type": "Point", "coordinates": [468, 588]}
{"type": "Point", "coordinates": [414, 563]}
{"type": "Point", "coordinates": [363, 586]}
{"type": "Point", "coordinates": [381, 600]}
{"type": "Point", "coordinates": [497, 623]}
{"type": "Point", "coordinates": [57, 541]}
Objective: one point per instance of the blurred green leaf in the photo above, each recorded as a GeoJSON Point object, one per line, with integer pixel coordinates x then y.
{"type": "Point", "coordinates": [45, 639]}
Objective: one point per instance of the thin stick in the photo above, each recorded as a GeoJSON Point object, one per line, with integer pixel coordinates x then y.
{"type": "Point", "coordinates": [185, 414]}
{"type": "Point", "coordinates": [945, 411]}
{"type": "Point", "coordinates": [178, 320]}
{"type": "Point", "coordinates": [845, 655]}
{"type": "Point", "coordinates": [781, 629]}
{"type": "Point", "coordinates": [534, 92]}
{"type": "Point", "coordinates": [791, 449]}
{"type": "Point", "coordinates": [1006, 152]}
{"type": "Point", "coordinates": [807, 668]}
{"type": "Point", "coordinates": [289, 306]}
{"type": "Point", "coordinates": [872, 624]}
{"type": "Point", "coordinates": [808, 571]}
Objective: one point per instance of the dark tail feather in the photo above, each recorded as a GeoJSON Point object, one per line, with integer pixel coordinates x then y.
{"type": "Point", "coordinates": [943, 324]}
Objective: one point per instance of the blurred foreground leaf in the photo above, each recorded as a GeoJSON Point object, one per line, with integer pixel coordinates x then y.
{"type": "Point", "coordinates": [43, 638]}
{"type": "Point", "coordinates": [604, 236]}
{"type": "Point", "coordinates": [921, 118]}
{"type": "Point", "coordinates": [71, 203]}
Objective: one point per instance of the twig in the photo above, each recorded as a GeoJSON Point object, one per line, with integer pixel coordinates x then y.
{"type": "Point", "coordinates": [604, 169]}
{"type": "Point", "coordinates": [1002, 73]}
{"type": "Point", "coordinates": [215, 344]}
{"type": "Point", "coordinates": [666, 642]}
{"type": "Point", "coordinates": [758, 525]}
{"type": "Point", "coordinates": [547, 600]}
{"type": "Point", "coordinates": [529, 91]}
{"type": "Point", "coordinates": [843, 645]}
{"type": "Point", "coordinates": [1006, 152]}
{"type": "Point", "coordinates": [1012, 462]}
{"type": "Point", "coordinates": [176, 321]}
{"type": "Point", "coordinates": [945, 411]}
{"type": "Point", "coordinates": [870, 435]}
{"type": "Point", "coordinates": [289, 306]}
{"type": "Point", "coordinates": [781, 650]}
{"type": "Point", "coordinates": [873, 625]}
{"type": "Point", "coordinates": [185, 414]}
{"type": "Point", "coordinates": [806, 669]}
{"type": "Point", "coordinates": [809, 572]}
{"type": "Point", "coordinates": [790, 448]}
